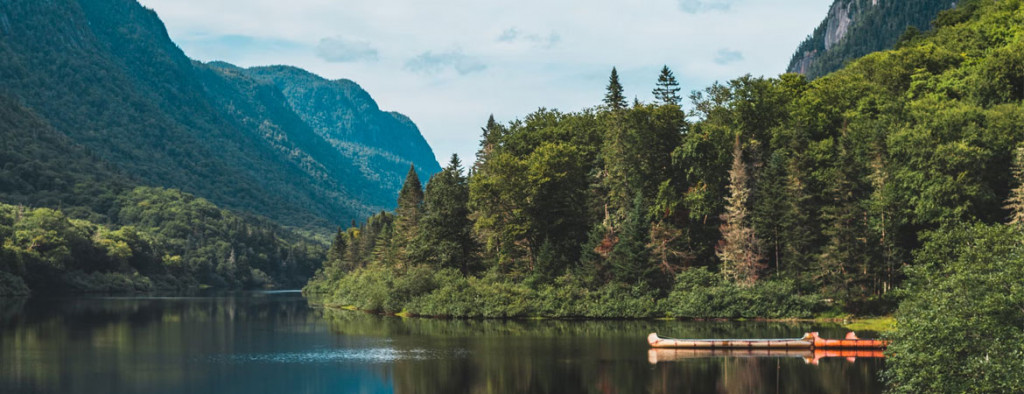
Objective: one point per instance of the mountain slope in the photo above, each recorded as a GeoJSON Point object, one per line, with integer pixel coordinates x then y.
{"type": "Point", "coordinates": [854, 28]}
{"type": "Point", "coordinates": [105, 73]}
{"type": "Point", "coordinates": [383, 144]}
{"type": "Point", "coordinates": [108, 234]}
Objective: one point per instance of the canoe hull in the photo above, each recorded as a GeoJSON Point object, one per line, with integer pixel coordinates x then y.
{"type": "Point", "coordinates": [808, 341]}
{"type": "Point", "coordinates": [670, 343]}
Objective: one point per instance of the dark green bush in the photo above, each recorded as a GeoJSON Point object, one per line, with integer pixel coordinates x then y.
{"type": "Point", "coordinates": [961, 328]}
{"type": "Point", "coordinates": [699, 293]}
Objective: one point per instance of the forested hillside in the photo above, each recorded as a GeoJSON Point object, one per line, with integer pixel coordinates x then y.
{"type": "Point", "coordinates": [382, 144]}
{"type": "Point", "coordinates": [823, 188]}
{"type": "Point", "coordinates": [106, 234]}
{"type": "Point", "coordinates": [105, 74]}
{"type": "Point", "coordinates": [854, 28]}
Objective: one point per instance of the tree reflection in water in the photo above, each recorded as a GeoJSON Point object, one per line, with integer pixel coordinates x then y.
{"type": "Point", "coordinates": [265, 342]}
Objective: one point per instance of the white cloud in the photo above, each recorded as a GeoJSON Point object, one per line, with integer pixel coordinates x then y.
{"type": "Point", "coordinates": [514, 35]}
{"type": "Point", "coordinates": [727, 56]}
{"type": "Point", "coordinates": [699, 6]}
{"type": "Point", "coordinates": [433, 63]}
{"type": "Point", "coordinates": [511, 77]}
{"type": "Point", "coordinates": [341, 49]}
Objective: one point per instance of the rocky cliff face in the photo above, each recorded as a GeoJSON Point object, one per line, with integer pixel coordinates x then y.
{"type": "Point", "coordinates": [854, 28]}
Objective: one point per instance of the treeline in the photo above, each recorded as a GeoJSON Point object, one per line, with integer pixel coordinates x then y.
{"type": "Point", "coordinates": [786, 195]}
{"type": "Point", "coordinates": [163, 240]}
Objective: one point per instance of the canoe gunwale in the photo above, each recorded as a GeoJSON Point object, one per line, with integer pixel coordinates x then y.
{"type": "Point", "coordinates": [808, 341]}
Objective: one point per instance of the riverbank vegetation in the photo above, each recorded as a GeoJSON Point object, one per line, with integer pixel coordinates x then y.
{"type": "Point", "coordinates": [886, 181]}
{"type": "Point", "coordinates": [798, 196]}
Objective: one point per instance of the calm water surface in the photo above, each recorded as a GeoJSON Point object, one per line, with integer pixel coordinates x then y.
{"type": "Point", "coordinates": [274, 342]}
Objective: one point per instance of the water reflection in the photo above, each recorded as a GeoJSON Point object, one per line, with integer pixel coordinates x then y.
{"type": "Point", "coordinates": [274, 342]}
{"type": "Point", "coordinates": [603, 357]}
{"type": "Point", "coordinates": [810, 356]}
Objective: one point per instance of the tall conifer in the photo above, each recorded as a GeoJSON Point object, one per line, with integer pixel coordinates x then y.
{"type": "Point", "coordinates": [739, 249]}
{"type": "Point", "coordinates": [667, 89]}
{"type": "Point", "coordinates": [407, 215]}
{"type": "Point", "coordinates": [614, 98]}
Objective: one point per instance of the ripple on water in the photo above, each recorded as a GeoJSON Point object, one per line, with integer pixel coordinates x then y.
{"type": "Point", "coordinates": [368, 355]}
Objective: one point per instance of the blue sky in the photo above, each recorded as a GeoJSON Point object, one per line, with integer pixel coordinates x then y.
{"type": "Point", "coordinates": [448, 64]}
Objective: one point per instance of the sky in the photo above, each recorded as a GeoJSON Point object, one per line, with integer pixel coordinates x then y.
{"type": "Point", "coordinates": [449, 64]}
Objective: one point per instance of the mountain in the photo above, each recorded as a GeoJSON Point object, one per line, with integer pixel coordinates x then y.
{"type": "Point", "coordinates": [381, 143]}
{"type": "Point", "coordinates": [854, 28]}
{"type": "Point", "coordinates": [105, 74]}
{"type": "Point", "coordinates": [109, 234]}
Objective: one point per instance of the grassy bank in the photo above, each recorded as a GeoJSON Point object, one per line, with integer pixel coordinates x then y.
{"type": "Point", "coordinates": [421, 291]}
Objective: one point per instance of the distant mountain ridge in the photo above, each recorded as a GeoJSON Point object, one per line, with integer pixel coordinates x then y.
{"type": "Point", "coordinates": [854, 28]}
{"type": "Point", "coordinates": [106, 74]}
{"type": "Point", "coordinates": [381, 143]}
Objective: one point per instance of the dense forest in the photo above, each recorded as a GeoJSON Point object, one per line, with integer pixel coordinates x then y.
{"type": "Point", "coordinates": [102, 232]}
{"type": "Point", "coordinates": [105, 74]}
{"type": "Point", "coordinates": [855, 28]}
{"type": "Point", "coordinates": [890, 180]}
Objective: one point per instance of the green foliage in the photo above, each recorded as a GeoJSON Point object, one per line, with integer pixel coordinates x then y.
{"type": "Point", "coordinates": [699, 293]}
{"type": "Point", "coordinates": [667, 88]}
{"type": "Point", "coordinates": [614, 98]}
{"type": "Point", "coordinates": [960, 328]}
{"type": "Point", "coordinates": [443, 239]}
{"type": "Point", "coordinates": [826, 189]}
{"type": "Point", "coordinates": [162, 239]}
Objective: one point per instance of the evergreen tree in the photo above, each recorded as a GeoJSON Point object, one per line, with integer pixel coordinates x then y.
{"type": "Point", "coordinates": [492, 134]}
{"type": "Point", "coordinates": [614, 98]}
{"type": "Point", "coordinates": [739, 249]}
{"type": "Point", "coordinates": [630, 259]}
{"type": "Point", "coordinates": [408, 212]}
{"type": "Point", "coordinates": [445, 232]}
{"type": "Point", "coordinates": [337, 251]}
{"type": "Point", "coordinates": [667, 89]}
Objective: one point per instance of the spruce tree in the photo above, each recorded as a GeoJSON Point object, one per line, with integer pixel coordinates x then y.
{"type": "Point", "coordinates": [667, 89]}
{"type": "Point", "coordinates": [444, 237]}
{"type": "Point", "coordinates": [337, 251]}
{"type": "Point", "coordinates": [408, 212]}
{"type": "Point", "coordinates": [492, 134]}
{"type": "Point", "coordinates": [739, 249]}
{"type": "Point", "coordinates": [630, 259]}
{"type": "Point", "coordinates": [614, 98]}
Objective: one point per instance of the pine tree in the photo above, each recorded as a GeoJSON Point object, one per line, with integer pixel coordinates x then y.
{"type": "Point", "coordinates": [337, 251]}
{"type": "Point", "coordinates": [408, 212]}
{"type": "Point", "coordinates": [1015, 202]}
{"type": "Point", "coordinates": [667, 89]}
{"type": "Point", "coordinates": [739, 249]}
{"type": "Point", "coordinates": [614, 98]}
{"type": "Point", "coordinates": [445, 237]}
{"type": "Point", "coordinates": [630, 259]}
{"type": "Point", "coordinates": [492, 134]}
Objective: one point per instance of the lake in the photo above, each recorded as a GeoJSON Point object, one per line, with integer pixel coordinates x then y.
{"type": "Point", "coordinates": [274, 342]}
